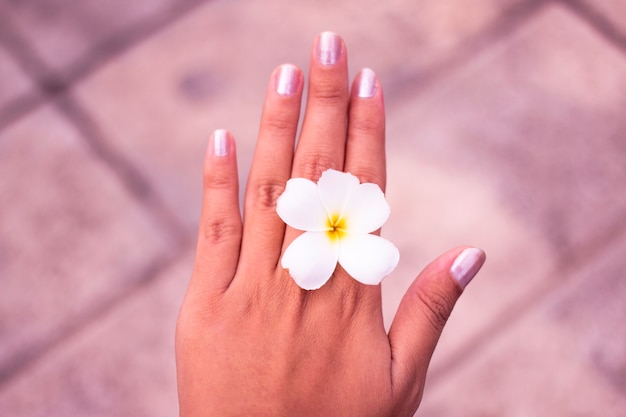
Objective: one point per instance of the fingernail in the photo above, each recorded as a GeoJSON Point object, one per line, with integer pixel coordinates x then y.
{"type": "Point", "coordinates": [328, 48]}
{"type": "Point", "coordinates": [466, 265]}
{"type": "Point", "coordinates": [287, 80]}
{"type": "Point", "coordinates": [220, 142]}
{"type": "Point", "coordinates": [367, 83]}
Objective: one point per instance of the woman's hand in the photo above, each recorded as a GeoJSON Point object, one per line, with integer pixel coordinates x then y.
{"type": "Point", "coordinates": [249, 341]}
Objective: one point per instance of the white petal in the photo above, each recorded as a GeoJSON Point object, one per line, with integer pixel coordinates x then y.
{"type": "Point", "coordinates": [311, 259]}
{"type": "Point", "coordinates": [335, 188]}
{"type": "Point", "coordinates": [300, 206]}
{"type": "Point", "coordinates": [367, 258]}
{"type": "Point", "coordinates": [366, 210]}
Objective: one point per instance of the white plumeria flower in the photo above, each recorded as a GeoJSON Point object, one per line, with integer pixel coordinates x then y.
{"type": "Point", "coordinates": [337, 215]}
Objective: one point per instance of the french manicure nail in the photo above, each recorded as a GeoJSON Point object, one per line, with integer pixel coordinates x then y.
{"type": "Point", "coordinates": [466, 265]}
{"type": "Point", "coordinates": [220, 142]}
{"type": "Point", "coordinates": [287, 80]}
{"type": "Point", "coordinates": [329, 48]}
{"type": "Point", "coordinates": [367, 83]}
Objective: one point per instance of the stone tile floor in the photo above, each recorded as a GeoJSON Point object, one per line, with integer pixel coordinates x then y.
{"type": "Point", "coordinates": [506, 130]}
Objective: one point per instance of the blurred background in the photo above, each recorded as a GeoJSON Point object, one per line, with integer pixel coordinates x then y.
{"type": "Point", "coordinates": [506, 130]}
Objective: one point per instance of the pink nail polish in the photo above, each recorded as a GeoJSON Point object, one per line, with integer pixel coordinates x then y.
{"type": "Point", "coordinates": [220, 142]}
{"type": "Point", "coordinates": [287, 80]}
{"type": "Point", "coordinates": [466, 265]}
{"type": "Point", "coordinates": [328, 48]}
{"type": "Point", "coordinates": [367, 83]}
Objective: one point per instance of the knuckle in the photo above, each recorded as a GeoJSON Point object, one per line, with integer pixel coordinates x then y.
{"type": "Point", "coordinates": [366, 125]}
{"type": "Point", "coordinates": [437, 306]}
{"type": "Point", "coordinates": [267, 194]}
{"type": "Point", "coordinates": [217, 180]}
{"type": "Point", "coordinates": [328, 93]}
{"type": "Point", "coordinates": [280, 122]}
{"type": "Point", "coordinates": [312, 166]}
{"type": "Point", "coordinates": [219, 231]}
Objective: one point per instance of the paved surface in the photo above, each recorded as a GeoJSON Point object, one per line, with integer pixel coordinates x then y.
{"type": "Point", "coordinates": [506, 130]}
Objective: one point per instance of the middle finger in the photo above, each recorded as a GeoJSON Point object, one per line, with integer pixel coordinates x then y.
{"type": "Point", "coordinates": [323, 139]}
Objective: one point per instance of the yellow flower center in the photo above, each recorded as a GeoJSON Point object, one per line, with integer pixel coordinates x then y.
{"type": "Point", "coordinates": [336, 227]}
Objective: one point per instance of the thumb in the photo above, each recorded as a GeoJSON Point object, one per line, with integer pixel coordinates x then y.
{"type": "Point", "coordinates": [424, 310]}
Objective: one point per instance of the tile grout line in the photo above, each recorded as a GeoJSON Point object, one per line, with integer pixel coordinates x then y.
{"type": "Point", "coordinates": [567, 265]}
{"type": "Point", "coordinates": [138, 187]}
{"type": "Point", "coordinates": [30, 63]}
{"type": "Point", "coordinates": [51, 83]}
{"type": "Point", "coordinates": [115, 45]}
{"type": "Point", "coordinates": [598, 22]}
{"type": "Point", "coordinates": [18, 108]}
{"type": "Point", "coordinates": [130, 176]}
{"type": "Point", "coordinates": [31, 355]}
{"type": "Point", "coordinates": [509, 21]}
{"type": "Point", "coordinates": [57, 91]}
